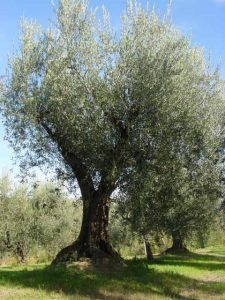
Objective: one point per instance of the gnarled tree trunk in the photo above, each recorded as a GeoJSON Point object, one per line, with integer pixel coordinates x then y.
{"type": "Point", "coordinates": [93, 240]}
{"type": "Point", "coordinates": [201, 240]}
{"type": "Point", "coordinates": [178, 243]}
{"type": "Point", "coordinates": [148, 250]}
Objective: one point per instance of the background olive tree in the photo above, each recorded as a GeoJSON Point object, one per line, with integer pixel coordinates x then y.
{"type": "Point", "coordinates": [179, 202]}
{"type": "Point", "coordinates": [15, 221]}
{"type": "Point", "coordinates": [35, 220]}
{"type": "Point", "coordinates": [56, 218]}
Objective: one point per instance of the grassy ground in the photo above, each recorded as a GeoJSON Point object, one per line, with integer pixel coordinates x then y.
{"type": "Point", "coordinates": [195, 276]}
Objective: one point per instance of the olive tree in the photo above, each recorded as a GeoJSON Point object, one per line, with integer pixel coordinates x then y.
{"type": "Point", "coordinates": [181, 202]}
{"type": "Point", "coordinates": [16, 220]}
{"type": "Point", "coordinates": [42, 217]}
{"type": "Point", "coordinates": [90, 102]}
{"type": "Point", "coordinates": [56, 218]}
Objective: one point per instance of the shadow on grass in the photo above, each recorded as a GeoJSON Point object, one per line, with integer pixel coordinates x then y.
{"type": "Point", "coordinates": [201, 262]}
{"type": "Point", "coordinates": [137, 277]}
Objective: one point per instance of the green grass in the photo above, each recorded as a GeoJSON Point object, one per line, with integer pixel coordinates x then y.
{"type": "Point", "coordinates": [194, 276]}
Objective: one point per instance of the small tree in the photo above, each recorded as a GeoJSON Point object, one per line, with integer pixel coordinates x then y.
{"type": "Point", "coordinates": [56, 219]}
{"type": "Point", "coordinates": [16, 221]}
{"type": "Point", "coordinates": [91, 103]}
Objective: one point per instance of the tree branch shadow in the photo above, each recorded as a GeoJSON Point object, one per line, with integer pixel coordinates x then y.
{"type": "Point", "coordinates": [137, 277]}
{"type": "Point", "coordinates": [201, 262]}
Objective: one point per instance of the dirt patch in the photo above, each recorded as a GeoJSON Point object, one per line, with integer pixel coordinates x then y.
{"type": "Point", "coordinates": [198, 295]}
{"type": "Point", "coordinates": [107, 267]}
{"type": "Point", "coordinates": [214, 278]}
{"type": "Point", "coordinates": [107, 295]}
{"type": "Point", "coordinates": [7, 292]}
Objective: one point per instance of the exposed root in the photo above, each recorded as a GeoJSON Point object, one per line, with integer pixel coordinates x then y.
{"type": "Point", "coordinates": [78, 252]}
{"type": "Point", "coordinates": [174, 250]}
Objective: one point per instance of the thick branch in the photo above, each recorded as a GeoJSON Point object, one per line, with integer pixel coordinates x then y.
{"type": "Point", "coordinates": [123, 127]}
{"type": "Point", "coordinates": [7, 241]}
{"type": "Point", "coordinates": [79, 169]}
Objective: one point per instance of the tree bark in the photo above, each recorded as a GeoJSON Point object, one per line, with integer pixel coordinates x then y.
{"type": "Point", "coordinates": [20, 254]}
{"type": "Point", "coordinates": [201, 240]}
{"type": "Point", "coordinates": [148, 250]}
{"type": "Point", "coordinates": [93, 240]}
{"type": "Point", "coordinates": [178, 243]}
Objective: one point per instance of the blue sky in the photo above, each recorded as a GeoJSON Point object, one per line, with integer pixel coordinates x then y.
{"type": "Point", "coordinates": [204, 19]}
